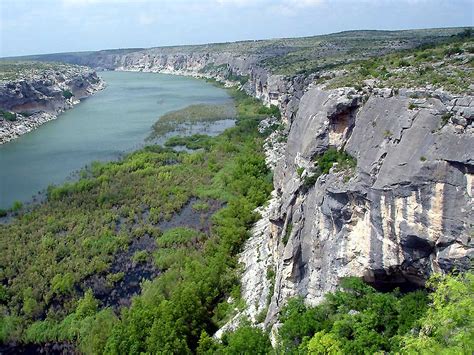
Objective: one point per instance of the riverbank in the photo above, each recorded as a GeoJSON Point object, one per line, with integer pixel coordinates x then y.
{"type": "Point", "coordinates": [32, 94]}
{"type": "Point", "coordinates": [104, 127]}
{"type": "Point", "coordinates": [115, 215]}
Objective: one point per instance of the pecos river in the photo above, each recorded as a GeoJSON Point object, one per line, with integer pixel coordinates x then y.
{"type": "Point", "coordinates": [102, 127]}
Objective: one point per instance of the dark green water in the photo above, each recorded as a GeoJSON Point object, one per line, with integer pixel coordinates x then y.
{"type": "Point", "coordinates": [102, 127]}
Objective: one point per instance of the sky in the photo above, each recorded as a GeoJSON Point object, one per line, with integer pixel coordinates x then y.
{"type": "Point", "coordinates": [51, 26]}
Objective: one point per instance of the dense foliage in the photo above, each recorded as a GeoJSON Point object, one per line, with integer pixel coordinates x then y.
{"type": "Point", "coordinates": [355, 319]}
{"type": "Point", "coordinates": [323, 163]}
{"type": "Point", "coordinates": [448, 325]}
{"type": "Point", "coordinates": [82, 227]}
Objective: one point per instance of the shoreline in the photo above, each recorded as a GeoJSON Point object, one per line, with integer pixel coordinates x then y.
{"type": "Point", "coordinates": [24, 123]}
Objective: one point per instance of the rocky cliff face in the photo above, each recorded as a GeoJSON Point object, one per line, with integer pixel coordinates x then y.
{"type": "Point", "coordinates": [37, 97]}
{"type": "Point", "coordinates": [405, 211]}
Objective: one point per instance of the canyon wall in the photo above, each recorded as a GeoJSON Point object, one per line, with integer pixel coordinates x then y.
{"type": "Point", "coordinates": [404, 211]}
{"type": "Point", "coordinates": [34, 99]}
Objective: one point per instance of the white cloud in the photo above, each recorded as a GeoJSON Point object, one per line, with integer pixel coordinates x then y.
{"type": "Point", "coordinates": [237, 2]}
{"type": "Point", "coordinates": [145, 19]}
{"type": "Point", "coordinates": [304, 3]}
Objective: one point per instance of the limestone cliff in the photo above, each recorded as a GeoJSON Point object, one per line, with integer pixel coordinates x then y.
{"type": "Point", "coordinates": [404, 211]}
{"type": "Point", "coordinates": [36, 96]}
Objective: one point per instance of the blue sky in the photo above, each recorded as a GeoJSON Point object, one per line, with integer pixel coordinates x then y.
{"type": "Point", "coordinates": [47, 26]}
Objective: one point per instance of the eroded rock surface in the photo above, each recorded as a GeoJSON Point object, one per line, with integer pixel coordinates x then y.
{"type": "Point", "coordinates": [38, 98]}
{"type": "Point", "coordinates": [404, 212]}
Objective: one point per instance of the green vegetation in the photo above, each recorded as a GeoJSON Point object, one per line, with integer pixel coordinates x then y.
{"type": "Point", "coordinates": [357, 319]}
{"type": "Point", "coordinates": [140, 256]}
{"type": "Point", "coordinates": [67, 94]}
{"type": "Point", "coordinates": [289, 229]}
{"type": "Point", "coordinates": [7, 115]}
{"type": "Point", "coordinates": [445, 118]}
{"type": "Point", "coordinates": [200, 206]}
{"type": "Point", "coordinates": [16, 70]}
{"type": "Point", "coordinates": [354, 320]}
{"type": "Point", "coordinates": [332, 156]}
{"type": "Point", "coordinates": [338, 50]}
{"type": "Point", "coordinates": [245, 340]}
{"type": "Point", "coordinates": [447, 64]}
{"type": "Point", "coordinates": [196, 141]}
{"type": "Point", "coordinates": [82, 226]}
{"type": "Point", "coordinates": [447, 327]}
{"type": "Point", "coordinates": [191, 114]}
{"type": "Point", "coordinates": [324, 162]}
{"type": "Point", "coordinates": [17, 205]}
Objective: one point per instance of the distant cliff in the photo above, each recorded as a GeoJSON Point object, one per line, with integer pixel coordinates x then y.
{"type": "Point", "coordinates": [33, 93]}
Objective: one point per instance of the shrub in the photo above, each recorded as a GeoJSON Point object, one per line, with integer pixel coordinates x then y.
{"type": "Point", "coordinates": [67, 94]}
{"type": "Point", "coordinates": [247, 340]}
{"type": "Point", "coordinates": [445, 118]}
{"type": "Point", "coordinates": [331, 156]}
{"type": "Point", "coordinates": [355, 319]}
{"type": "Point", "coordinates": [62, 284]}
{"type": "Point", "coordinates": [447, 326]}
{"type": "Point", "coordinates": [310, 180]}
{"type": "Point", "coordinates": [140, 256]}
{"type": "Point", "coordinates": [9, 116]}
{"type": "Point", "coordinates": [300, 171]}
{"type": "Point", "coordinates": [17, 205]}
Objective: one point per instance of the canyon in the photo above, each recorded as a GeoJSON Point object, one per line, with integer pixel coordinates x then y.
{"type": "Point", "coordinates": [404, 212]}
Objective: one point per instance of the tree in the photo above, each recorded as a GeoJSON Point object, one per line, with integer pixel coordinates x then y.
{"type": "Point", "coordinates": [324, 343]}
{"type": "Point", "coordinates": [448, 326]}
{"type": "Point", "coordinates": [247, 340]}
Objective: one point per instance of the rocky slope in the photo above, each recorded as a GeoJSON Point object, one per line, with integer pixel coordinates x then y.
{"type": "Point", "coordinates": [404, 211]}
{"type": "Point", "coordinates": [35, 94]}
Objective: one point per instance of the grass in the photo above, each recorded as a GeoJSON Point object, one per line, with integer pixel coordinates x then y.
{"type": "Point", "coordinates": [324, 53]}
{"type": "Point", "coordinates": [287, 235]}
{"type": "Point", "coordinates": [191, 114]}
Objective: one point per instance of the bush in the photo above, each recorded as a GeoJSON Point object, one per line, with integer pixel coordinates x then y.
{"type": "Point", "coordinates": [9, 116]}
{"type": "Point", "coordinates": [17, 205]}
{"type": "Point", "coordinates": [448, 325]}
{"type": "Point", "coordinates": [355, 319]}
{"type": "Point", "coordinates": [140, 256]}
{"type": "Point", "coordinates": [67, 94]}
{"type": "Point", "coordinates": [331, 156]}
{"type": "Point", "coordinates": [247, 340]}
